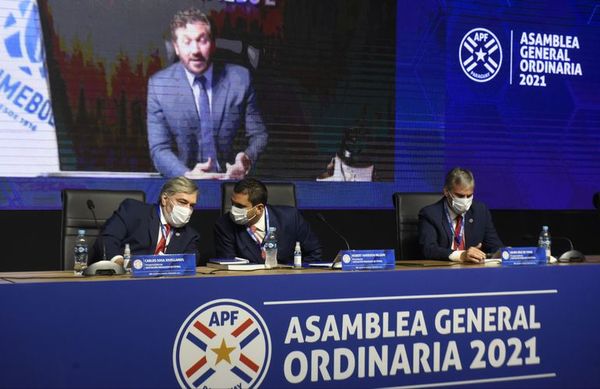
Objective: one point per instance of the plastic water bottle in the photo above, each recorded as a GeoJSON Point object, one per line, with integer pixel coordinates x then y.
{"type": "Point", "coordinates": [127, 257]}
{"type": "Point", "coordinates": [297, 255]}
{"type": "Point", "coordinates": [271, 249]}
{"type": "Point", "coordinates": [545, 241]}
{"type": "Point", "coordinates": [80, 253]}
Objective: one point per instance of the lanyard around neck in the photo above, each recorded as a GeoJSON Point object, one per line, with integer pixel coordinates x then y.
{"type": "Point", "coordinates": [253, 235]}
{"type": "Point", "coordinates": [458, 239]}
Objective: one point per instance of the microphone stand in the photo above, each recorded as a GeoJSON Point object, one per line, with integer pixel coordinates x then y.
{"type": "Point", "coordinates": [322, 218]}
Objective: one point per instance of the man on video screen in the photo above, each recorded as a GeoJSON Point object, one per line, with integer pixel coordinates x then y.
{"type": "Point", "coordinates": [196, 107]}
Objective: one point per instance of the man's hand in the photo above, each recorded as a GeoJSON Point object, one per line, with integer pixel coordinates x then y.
{"type": "Point", "coordinates": [473, 254]}
{"type": "Point", "coordinates": [240, 167]}
{"type": "Point", "coordinates": [202, 172]}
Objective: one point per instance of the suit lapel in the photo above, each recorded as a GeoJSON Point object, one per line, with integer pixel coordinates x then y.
{"type": "Point", "coordinates": [445, 222]}
{"type": "Point", "coordinates": [175, 244]}
{"type": "Point", "coordinates": [220, 89]}
{"type": "Point", "coordinates": [153, 227]}
{"type": "Point", "coordinates": [469, 221]}
{"type": "Point", "coordinates": [250, 249]}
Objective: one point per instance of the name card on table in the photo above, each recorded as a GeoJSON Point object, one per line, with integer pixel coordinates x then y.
{"type": "Point", "coordinates": [163, 265]}
{"type": "Point", "coordinates": [523, 256]}
{"type": "Point", "coordinates": [366, 259]}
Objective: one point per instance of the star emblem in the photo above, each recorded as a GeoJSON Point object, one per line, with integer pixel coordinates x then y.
{"type": "Point", "coordinates": [480, 55]}
{"type": "Point", "coordinates": [223, 352]}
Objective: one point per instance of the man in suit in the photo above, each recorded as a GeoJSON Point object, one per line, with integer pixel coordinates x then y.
{"type": "Point", "coordinates": [197, 107]}
{"type": "Point", "coordinates": [457, 227]}
{"type": "Point", "coordinates": [241, 232]}
{"type": "Point", "coordinates": [152, 228]}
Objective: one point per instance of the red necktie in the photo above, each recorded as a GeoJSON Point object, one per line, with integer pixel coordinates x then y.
{"type": "Point", "coordinates": [162, 243]}
{"type": "Point", "coordinates": [457, 229]}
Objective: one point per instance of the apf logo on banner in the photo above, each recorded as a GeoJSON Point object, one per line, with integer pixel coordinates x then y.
{"type": "Point", "coordinates": [223, 344]}
{"type": "Point", "coordinates": [29, 146]}
{"type": "Point", "coordinates": [480, 55]}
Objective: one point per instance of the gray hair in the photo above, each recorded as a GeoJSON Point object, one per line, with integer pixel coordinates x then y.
{"type": "Point", "coordinates": [178, 185]}
{"type": "Point", "coordinates": [459, 177]}
{"type": "Point", "coordinates": [190, 16]}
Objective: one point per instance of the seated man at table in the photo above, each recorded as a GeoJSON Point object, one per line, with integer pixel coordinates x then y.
{"type": "Point", "coordinates": [457, 227]}
{"type": "Point", "coordinates": [241, 232]}
{"type": "Point", "coordinates": [152, 228]}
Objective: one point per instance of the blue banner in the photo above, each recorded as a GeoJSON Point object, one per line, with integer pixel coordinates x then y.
{"type": "Point", "coordinates": [513, 326]}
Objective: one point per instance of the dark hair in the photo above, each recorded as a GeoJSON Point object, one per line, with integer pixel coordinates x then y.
{"type": "Point", "coordinates": [189, 16]}
{"type": "Point", "coordinates": [256, 190]}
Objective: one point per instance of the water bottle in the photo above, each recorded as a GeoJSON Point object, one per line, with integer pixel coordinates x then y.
{"type": "Point", "coordinates": [271, 249]}
{"type": "Point", "coordinates": [297, 255]}
{"type": "Point", "coordinates": [127, 257]}
{"type": "Point", "coordinates": [81, 253]}
{"type": "Point", "coordinates": [545, 241]}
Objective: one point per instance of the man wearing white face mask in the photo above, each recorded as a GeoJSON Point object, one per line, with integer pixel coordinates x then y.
{"type": "Point", "coordinates": [456, 227]}
{"type": "Point", "coordinates": [153, 228]}
{"type": "Point", "coordinates": [241, 232]}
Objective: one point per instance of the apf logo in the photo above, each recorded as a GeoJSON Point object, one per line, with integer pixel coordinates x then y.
{"type": "Point", "coordinates": [22, 38]}
{"type": "Point", "coordinates": [222, 344]}
{"type": "Point", "coordinates": [480, 54]}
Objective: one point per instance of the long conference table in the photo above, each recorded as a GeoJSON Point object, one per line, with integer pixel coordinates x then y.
{"type": "Point", "coordinates": [424, 324]}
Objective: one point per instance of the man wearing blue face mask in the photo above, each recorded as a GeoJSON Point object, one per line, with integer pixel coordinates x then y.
{"type": "Point", "coordinates": [241, 232]}
{"type": "Point", "coordinates": [153, 228]}
{"type": "Point", "coordinates": [456, 227]}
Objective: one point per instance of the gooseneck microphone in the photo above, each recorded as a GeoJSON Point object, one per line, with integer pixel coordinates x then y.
{"type": "Point", "coordinates": [568, 256]}
{"type": "Point", "coordinates": [337, 258]}
{"type": "Point", "coordinates": [322, 218]}
{"type": "Point", "coordinates": [572, 255]}
{"type": "Point", "coordinates": [91, 206]}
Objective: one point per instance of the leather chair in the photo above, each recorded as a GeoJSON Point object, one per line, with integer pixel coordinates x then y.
{"type": "Point", "coordinates": [280, 193]}
{"type": "Point", "coordinates": [407, 207]}
{"type": "Point", "coordinates": [76, 215]}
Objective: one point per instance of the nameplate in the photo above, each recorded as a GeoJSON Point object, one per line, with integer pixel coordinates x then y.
{"type": "Point", "coordinates": [366, 259]}
{"type": "Point", "coordinates": [163, 265]}
{"type": "Point", "coordinates": [523, 256]}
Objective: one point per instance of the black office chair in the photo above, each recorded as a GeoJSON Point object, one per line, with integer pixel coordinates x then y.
{"type": "Point", "coordinates": [407, 207]}
{"type": "Point", "coordinates": [280, 193]}
{"type": "Point", "coordinates": [76, 215]}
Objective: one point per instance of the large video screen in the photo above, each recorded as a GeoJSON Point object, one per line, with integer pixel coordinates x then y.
{"type": "Point", "coordinates": [352, 100]}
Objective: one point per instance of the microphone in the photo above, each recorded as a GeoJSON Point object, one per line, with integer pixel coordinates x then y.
{"type": "Point", "coordinates": [91, 206]}
{"type": "Point", "coordinates": [571, 255]}
{"type": "Point", "coordinates": [103, 267]}
{"type": "Point", "coordinates": [337, 258]}
{"type": "Point", "coordinates": [322, 218]}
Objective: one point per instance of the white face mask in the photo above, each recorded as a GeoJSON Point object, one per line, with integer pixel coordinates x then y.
{"type": "Point", "coordinates": [461, 205]}
{"type": "Point", "coordinates": [179, 215]}
{"type": "Point", "coordinates": [239, 215]}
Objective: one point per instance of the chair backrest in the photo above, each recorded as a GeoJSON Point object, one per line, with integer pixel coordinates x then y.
{"type": "Point", "coordinates": [280, 193]}
{"type": "Point", "coordinates": [76, 215]}
{"type": "Point", "coordinates": [407, 207]}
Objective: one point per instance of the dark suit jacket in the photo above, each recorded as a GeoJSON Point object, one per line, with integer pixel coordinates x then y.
{"type": "Point", "coordinates": [435, 234]}
{"type": "Point", "coordinates": [138, 223]}
{"type": "Point", "coordinates": [232, 240]}
{"type": "Point", "coordinates": [174, 125]}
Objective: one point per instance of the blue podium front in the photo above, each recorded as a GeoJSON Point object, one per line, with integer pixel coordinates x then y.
{"type": "Point", "coordinates": [495, 326]}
